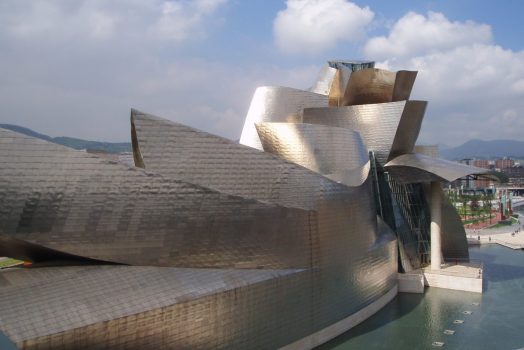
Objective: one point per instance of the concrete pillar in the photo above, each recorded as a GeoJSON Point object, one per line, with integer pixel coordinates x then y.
{"type": "Point", "coordinates": [436, 218]}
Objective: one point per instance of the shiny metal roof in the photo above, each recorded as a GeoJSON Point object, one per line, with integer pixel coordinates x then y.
{"type": "Point", "coordinates": [415, 167]}
{"type": "Point", "coordinates": [51, 300]}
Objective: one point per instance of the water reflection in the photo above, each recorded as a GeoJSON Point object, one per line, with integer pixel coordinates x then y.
{"type": "Point", "coordinates": [414, 321]}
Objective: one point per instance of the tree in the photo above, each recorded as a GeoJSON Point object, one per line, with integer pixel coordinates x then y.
{"type": "Point", "coordinates": [474, 206]}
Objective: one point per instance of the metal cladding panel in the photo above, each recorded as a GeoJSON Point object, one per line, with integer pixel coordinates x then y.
{"type": "Point", "coordinates": [377, 124]}
{"type": "Point", "coordinates": [403, 85]}
{"type": "Point", "coordinates": [408, 128]}
{"type": "Point", "coordinates": [78, 204]}
{"type": "Point", "coordinates": [324, 80]}
{"type": "Point", "coordinates": [337, 153]}
{"type": "Point", "coordinates": [350, 245]}
{"type": "Point", "coordinates": [135, 307]}
{"type": "Point", "coordinates": [338, 88]}
{"type": "Point", "coordinates": [413, 167]}
{"type": "Point", "coordinates": [351, 261]}
{"type": "Point", "coordinates": [371, 86]}
{"type": "Point", "coordinates": [176, 150]}
{"type": "Point", "coordinates": [368, 86]}
{"type": "Point", "coordinates": [181, 152]}
{"type": "Point", "coordinates": [323, 149]}
{"type": "Point", "coordinates": [277, 104]}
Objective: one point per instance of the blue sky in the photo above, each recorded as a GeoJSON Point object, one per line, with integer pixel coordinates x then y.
{"type": "Point", "coordinates": [76, 68]}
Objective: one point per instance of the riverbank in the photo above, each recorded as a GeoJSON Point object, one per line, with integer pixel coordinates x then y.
{"type": "Point", "coordinates": [511, 236]}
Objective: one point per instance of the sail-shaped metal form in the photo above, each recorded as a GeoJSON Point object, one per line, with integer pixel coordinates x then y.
{"type": "Point", "coordinates": [277, 104]}
{"type": "Point", "coordinates": [413, 167]}
{"type": "Point", "coordinates": [388, 129]}
{"type": "Point", "coordinates": [337, 153]}
{"type": "Point", "coordinates": [370, 86]}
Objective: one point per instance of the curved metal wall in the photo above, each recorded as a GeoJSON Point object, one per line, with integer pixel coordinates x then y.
{"type": "Point", "coordinates": [409, 168]}
{"type": "Point", "coordinates": [78, 204]}
{"type": "Point", "coordinates": [320, 148]}
{"type": "Point", "coordinates": [277, 104]}
{"type": "Point", "coordinates": [371, 86]}
{"type": "Point", "coordinates": [294, 234]}
{"type": "Point", "coordinates": [377, 124]}
{"type": "Point", "coordinates": [96, 208]}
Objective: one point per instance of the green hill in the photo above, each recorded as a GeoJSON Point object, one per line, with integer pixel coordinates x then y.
{"type": "Point", "coordinates": [110, 147]}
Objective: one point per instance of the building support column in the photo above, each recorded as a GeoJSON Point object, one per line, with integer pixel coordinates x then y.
{"type": "Point", "coordinates": [436, 218]}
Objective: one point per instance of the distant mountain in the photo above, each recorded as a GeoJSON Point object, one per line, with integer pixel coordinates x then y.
{"type": "Point", "coordinates": [110, 147]}
{"type": "Point", "coordinates": [485, 149]}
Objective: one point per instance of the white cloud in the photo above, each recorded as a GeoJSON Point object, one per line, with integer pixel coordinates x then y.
{"type": "Point", "coordinates": [416, 34]}
{"type": "Point", "coordinates": [63, 20]}
{"type": "Point", "coordinates": [474, 88]}
{"type": "Point", "coordinates": [76, 68]}
{"type": "Point", "coordinates": [312, 26]}
{"type": "Point", "coordinates": [183, 20]}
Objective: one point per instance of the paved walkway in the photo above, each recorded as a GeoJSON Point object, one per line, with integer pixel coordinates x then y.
{"type": "Point", "coordinates": [511, 236]}
{"type": "Point", "coordinates": [470, 270]}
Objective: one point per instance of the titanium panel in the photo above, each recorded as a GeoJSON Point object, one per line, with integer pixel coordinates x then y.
{"type": "Point", "coordinates": [324, 80]}
{"type": "Point", "coordinates": [202, 201]}
{"type": "Point", "coordinates": [413, 167]}
{"type": "Point", "coordinates": [408, 128]}
{"type": "Point", "coordinates": [371, 86]}
{"type": "Point", "coordinates": [345, 217]}
{"type": "Point", "coordinates": [323, 149]}
{"type": "Point", "coordinates": [181, 152]}
{"type": "Point", "coordinates": [81, 205]}
{"type": "Point", "coordinates": [343, 238]}
{"type": "Point", "coordinates": [138, 307]}
{"type": "Point", "coordinates": [338, 88]}
{"type": "Point", "coordinates": [378, 124]}
{"type": "Point", "coordinates": [404, 82]}
{"type": "Point", "coordinates": [277, 104]}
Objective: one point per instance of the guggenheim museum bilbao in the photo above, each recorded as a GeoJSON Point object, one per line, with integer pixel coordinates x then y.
{"type": "Point", "coordinates": [281, 241]}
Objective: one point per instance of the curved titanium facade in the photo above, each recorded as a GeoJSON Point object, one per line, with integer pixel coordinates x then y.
{"type": "Point", "coordinates": [210, 244]}
{"type": "Point", "coordinates": [371, 86]}
{"type": "Point", "coordinates": [75, 203]}
{"type": "Point", "coordinates": [156, 210]}
{"type": "Point", "coordinates": [277, 104]}
{"type": "Point", "coordinates": [144, 307]}
{"type": "Point", "coordinates": [181, 152]}
{"type": "Point", "coordinates": [324, 80]}
{"type": "Point", "coordinates": [413, 167]}
{"type": "Point", "coordinates": [336, 153]}
{"type": "Point", "coordinates": [364, 119]}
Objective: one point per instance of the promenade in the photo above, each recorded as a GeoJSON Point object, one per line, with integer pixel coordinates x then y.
{"type": "Point", "coordinates": [511, 236]}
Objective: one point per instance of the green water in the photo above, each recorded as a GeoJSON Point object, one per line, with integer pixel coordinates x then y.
{"type": "Point", "coordinates": [415, 321]}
